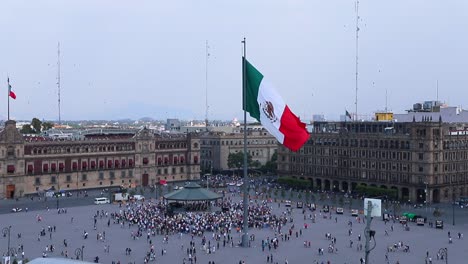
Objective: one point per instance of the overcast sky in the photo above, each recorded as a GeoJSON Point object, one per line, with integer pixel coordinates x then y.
{"type": "Point", "coordinates": [131, 59]}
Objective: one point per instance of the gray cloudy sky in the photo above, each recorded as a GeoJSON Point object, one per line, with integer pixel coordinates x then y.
{"type": "Point", "coordinates": [129, 59]}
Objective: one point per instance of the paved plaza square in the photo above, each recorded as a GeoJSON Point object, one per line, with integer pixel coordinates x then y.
{"type": "Point", "coordinates": [420, 239]}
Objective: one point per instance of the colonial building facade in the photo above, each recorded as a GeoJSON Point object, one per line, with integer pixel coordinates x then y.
{"type": "Point", "coordinates": [30, 165]}
{"type": "Point", "coordinates": [216, 147]}
{"type": "Point", "coordinates": [413, 158]}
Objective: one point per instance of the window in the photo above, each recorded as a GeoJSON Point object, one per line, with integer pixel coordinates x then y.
{"type": "Point", "coordinates": [421, 156]}
{"type": "Point", "coordinates": [84, 177]}
{"type": "Point", "coordinates": [112, 175]}
{"type": "Point", "coordinates": [145, 161]}
{"type": "Point", "coordinates": [174, 171]}
{"type": "Point", "coordinates": [101, 175]}
{"type": "Point", "coordinates": [421, 145]}
{"type": "Point", "coordinates": [130, 173]}
{"type": "Point", "coordinates": [159, 171]}
{"type": "Point", "coordinates": [68, 178]}
{"type": "Point", "coordinates": [11, 168]}
{"type": "Point", "coordinates": [10, 151]}
{"type": "Point", "coordinates": [37, 181]}
{"type": "Point", "coordinates": [53, 179]}
{"type": "Point", "coordinates": [181, 169]}
{"type": "Point", "coordinates": [165, 171]}
{"type": "Point", "coordinates": [122, 174]}
{"type": "Point", "coordinates": [420, 169]}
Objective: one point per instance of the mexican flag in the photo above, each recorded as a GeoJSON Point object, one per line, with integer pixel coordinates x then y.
{"type": "Point", "coordinates": [10, 92]}
{"type": "Point", "coordinates": [266, 105]}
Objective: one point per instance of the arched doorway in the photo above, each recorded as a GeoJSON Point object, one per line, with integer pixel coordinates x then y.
{"type": "Point", "coordinates": [436, 196]}
{"type": "Point", "coordinates": [420, 196]}
{"type": "Point", "coordinates": [336, 186]}
{"type": "Point", "coordinates": [383, 186]}
{"type": "Point", "coordinates": [405, 194]}
{"type": "Point", "coordinates": [318, 184]}
{"type": "Point", "coordinates": [396, 191]}
{"type": "Point", "coordinates": [345, 186]}
{"type": "Point", "coordinates": [311, 184]}
{"type": "Point", "coordinates": [10, 191]}
{"type": "Point", "coordinates": [144, 179]}
{"type": "Point", "coordinates": [327, 185]}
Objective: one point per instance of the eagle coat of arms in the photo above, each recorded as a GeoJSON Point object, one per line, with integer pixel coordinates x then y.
{"type": "Point", "coordinates": [269, 110]}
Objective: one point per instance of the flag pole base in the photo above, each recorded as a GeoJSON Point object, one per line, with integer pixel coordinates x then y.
{"type": "Point", "coordinates": [245, 240]}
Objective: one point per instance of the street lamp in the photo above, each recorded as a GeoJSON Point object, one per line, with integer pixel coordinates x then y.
{"type": "Point", "coordinates": [79, 252]}
{"type": "Point", "coordinates": [5, 231]}
{"type": "Point", "coordinates": [453, 206]}
{"type": "Point", "coordinates": [12, 252]}
{"type": "Point", "coordinates": [443, 252]}
{"type": "Point", "coordinates": [426, 194]}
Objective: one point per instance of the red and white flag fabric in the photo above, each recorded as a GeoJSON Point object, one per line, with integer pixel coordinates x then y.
{"type": "Point", "coordinates": [10, 92]}
{"type": "Point", "coordinates": [266, 105]}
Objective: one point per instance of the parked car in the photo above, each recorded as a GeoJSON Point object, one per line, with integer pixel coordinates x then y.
{"type": "Point", "coordinates": [339, 210]}
{"type": "Point", "coordinates": [288, 203]}
{"type": "Point", "coordinates": [300, 204]}
{"type": "Point", "coordinates": [16, 210]}
{"type": "Point", "coordinates": [354, 212]}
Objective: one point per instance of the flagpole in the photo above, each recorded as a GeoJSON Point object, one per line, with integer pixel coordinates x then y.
{"type": "Point", "coordinates": [245, 234]}
{"type": "Point", "coordinates": [8, 95]}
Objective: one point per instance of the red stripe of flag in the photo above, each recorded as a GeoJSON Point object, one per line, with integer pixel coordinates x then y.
{"type": "Point", "coordinates": [294, 131]}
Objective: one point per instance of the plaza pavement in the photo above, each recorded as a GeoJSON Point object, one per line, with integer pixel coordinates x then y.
{"type": "Point", "coordinates": [420, 240]}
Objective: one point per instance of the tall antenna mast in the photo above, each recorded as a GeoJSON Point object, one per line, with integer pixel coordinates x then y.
{"type": "Point", "coordinates": [386, 101]}
{"type": "Point", "coordinates": [206, 85]}
{"type": "Point", "coordinates": [58, 82]}
{"type": "Point", "coordinates": [357, 56]}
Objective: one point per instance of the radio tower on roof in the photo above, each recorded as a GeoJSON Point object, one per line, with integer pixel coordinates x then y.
{"type": "Point", "coordinates": [58, 82]}
{"type": "Point", "coordinates": [206, 85]}
{"type": "Point", "coordinates": [357, 58]}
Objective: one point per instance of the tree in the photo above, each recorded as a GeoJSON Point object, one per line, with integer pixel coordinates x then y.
{"type": "Point", "coordinates": [36, 124]}
{"type": "Point", "coordinates": [283, 193]}
{"type": "Point", "coordinates": [26, 129]}
{"type": "Point", "coordinates": [47, 126]}
{"type": "Point", "coordinates": [437, 212]}
{"type": "Point", "coordinates": [271, 166]}
{"type": "Point", "coordinates": [255, 164]}
{"type": "Point", "coordinates": [236, 160]}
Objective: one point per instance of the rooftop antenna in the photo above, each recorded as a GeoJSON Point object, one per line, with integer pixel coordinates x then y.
{"type": "Point", "coordinates": [58, 82]}
{"type": "Point", "coordinates": [357, 57]}
{"type": "Point", "coordinates": [386, 100]}
{"type": "Point", "coordinates": [206, 85]}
